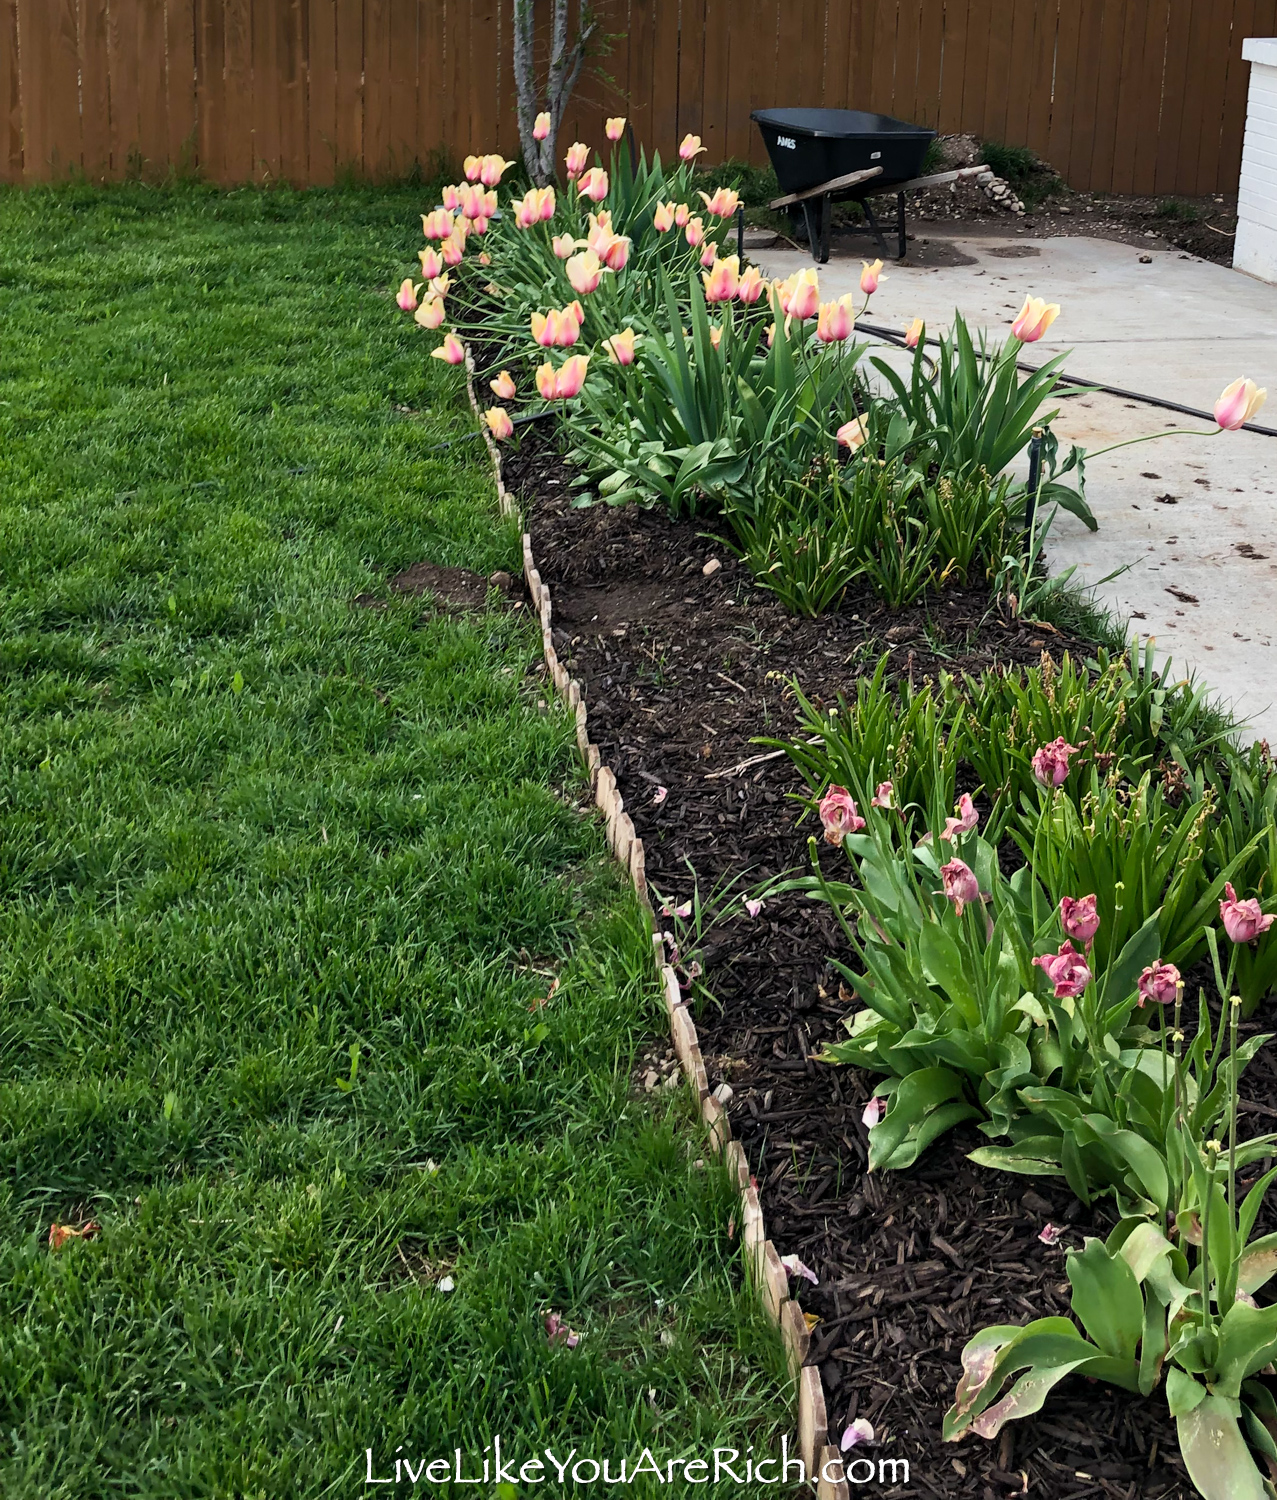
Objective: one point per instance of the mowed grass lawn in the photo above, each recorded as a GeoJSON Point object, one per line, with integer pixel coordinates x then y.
{"type": "Point", "coordinates": [250, 831]}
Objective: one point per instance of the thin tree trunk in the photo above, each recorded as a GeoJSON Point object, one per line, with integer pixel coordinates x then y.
{"type": "Point", "coordinates": [561, 78]}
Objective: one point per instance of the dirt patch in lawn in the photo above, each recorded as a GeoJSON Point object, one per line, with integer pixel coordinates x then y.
{"type": "Point", "coordinates": [449, 588]}
{"type": "Point", "coordinates": [682, 672]}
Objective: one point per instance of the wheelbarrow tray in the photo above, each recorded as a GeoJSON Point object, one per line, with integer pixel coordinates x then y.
{"type": "Point", "coordinates": [811, 146]}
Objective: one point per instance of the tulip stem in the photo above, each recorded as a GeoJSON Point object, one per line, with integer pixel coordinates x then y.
{"type": "Point", "coordinates": [1092, 453]}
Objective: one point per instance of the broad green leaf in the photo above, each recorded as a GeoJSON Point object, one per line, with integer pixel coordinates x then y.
{"type": "Point", "coordinates": [1215, 1453]}
{"type": "Point", "coordinates": [1106, 1299]}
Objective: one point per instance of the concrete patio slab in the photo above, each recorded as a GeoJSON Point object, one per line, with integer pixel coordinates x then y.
{"type": "Point", "coordinates": [1191, 519]}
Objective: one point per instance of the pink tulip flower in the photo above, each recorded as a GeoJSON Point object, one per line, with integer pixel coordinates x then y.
{"type": "Point", "coordinates": [870, 276]}
{"type": "Point", "coordinates": [753, 906]}
{"type": "Point", "coordinates": [690, 147]}
{"type": "Point", "coordinates": [960, 885]}
{"type": "Point", "coordinates": [614, 129]}
{"type": "Point", "coordinates": [681, 214]}
{"type": "Point", "coordinates": [558, 1332]}
{"type": "Point", "coordinates": [709, 254]}
{"type": "Point", "coordinates": [752, 286]}
{"type": "Point", "coordinates": [600, 231]}
{"type": "Point", "coordinates": [584, 272]}
{"type": "Point", "coordinates": [722, 203]}
{"type": "Point", "coordinates": [620, 347]}
{"type": "Point", "coordinates": [1238, 403]}
{"type": "Point", "coordinates": [578, 155]}
{"type": "Point", "coordinates": [663, 218]}
{"type": "Point", "coordinates": [499, 423]}
{"type": "Point", "coordinates": [914, 333]}
{"type": "Point", "coordinates": [722, 280]}
{"type": "Point", "coordinates": [882, 798]}
{"type": "Point", "coordinates": [1079, 918]}
{"type": "Point", "coordinates": [694, 232]}
{"type": "Point", "coordinates": [492, 168]}
{"type": "Point", "coordinates": [967, 818]}
{"type": "Point", "coordinates": [835, 321]}
{"type": "Point", "coordinates": [436, 225]}
{"type": "Point", "coordinates": [453, 249]}
{"type": "Point", "coordinates": [800, 295]}
{"type": "Point", "coordinates": [527, 210]}
{"type": "Point", "coordinates": [472, 166]}
{"type": "Point", "coordinates": [1244, 921]}
{"type": "Point", "coordinates": [503, 386]}
{"type": "Point", "coordinates": [853, 434]}
{"type": "Point", "coordinates": [407, 295]}
{"type": "Point", "coordinates": [1036, 316]}
{"type": "Point", "coordinates": [542, 126]}
{"type": "Point", "coordinates": [1051, 763]}
{"type": "Point", "coordinates": [617, 254]}
{"type": "Point", "coordinates": [838, 815]}
{"type": "Point", "coordinates": [715, 334]}
{"type": "Point", "coordinates": [451, 196]}
{"type": "Point", "coordinates": [430, 313]}
{"type": "Point", "coordinates": [545, 204]}
{"type": "Point", "coordinates": [564, 245]}
{"type": "Point", "coordinates": [479, 226]}
{"type": "Point", "coordinates": [873, 1111]}
{"type": "Point", "coordinates": [571, 377]}
{"type": "Point", "coordinates": [439, 285]}
{"type": "Point", "coordinates": [452, 351]}
{"type": "Point", "coordinates": [1159, 983]}
{"type": "Point", "coordinates": [431, 263]}
{"type": "Point", "coordinates": [545, 381]}
{"type": "Point", "coordinates": [593, 185]}
{"type": "Point", "coordinates": [1066, 970]}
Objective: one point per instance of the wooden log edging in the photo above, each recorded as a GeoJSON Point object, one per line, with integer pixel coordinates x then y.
{"type": "Point", "coordinates": [766, 1274]}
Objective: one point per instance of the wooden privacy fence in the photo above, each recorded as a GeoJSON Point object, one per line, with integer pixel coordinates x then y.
{"type": "Point", "coordinates": [1141, 96]}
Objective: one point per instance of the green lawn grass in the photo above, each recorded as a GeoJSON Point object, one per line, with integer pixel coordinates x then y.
{"type": "Point", "coordinates": [247, 826]}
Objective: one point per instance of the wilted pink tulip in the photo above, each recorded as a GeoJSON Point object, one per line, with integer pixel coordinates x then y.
{"type": "Point", "coordinates": [854, 433]}
{"type": "Point", "coordinates": [571, 377]}
{"type": "Point", "coordinates": [1051, 763]}
{"type": "Point", "coordinates": [1238, 403]}
{"type": "Point", "coordinates": [838, 815]}
{"type": "Point", "coordinates": [1066, 970]}
{"type": "Point", "coordinates": [1036, 316]}
{"type": "Point", "coordinates": [1051, 1234]}
{"type": "Point", "coordinates": [694, 232]}
{"type": "Point", "coordinates": [541, 128]}
{"type": "Point", "coordinates": [452, 350]}
{"type": "Point", "coordinates": [794, 1267]}
{"type": "Point", "coordinates": [407, 295]}
{"type": "Point", "coordinates": [431, 263]}
{"type": "Point", "coordinates": [689, 147]}
{"type": "Point", "coordinates": [503, 386]}
{"type": "Point", "coordinates": [752, 286]}
{"type": "Point", "coordinates": [722, 203]}
{"type": "Point", "coordinates": [967, 818]}
{"type": "Point", "coordinates": [855, 1433]}
{"type": "Point", "coordinates": [620, 347]}
{"type": "Point", "coordinates": [722, 279]}
{"type": "Point", "coordinates": [564, 245]}
{"type": "Point", "coordinates": [430, 313]}
{"type": "Point", "coordinates": [663, 218]}
{"type": "Point", "coordinates": [614, 129]}
{"type": "Point", "coordinates": [960, 884]}
{"type": "Point", "coordinates": [835, 321]}
{"type": "Point", "coordinates": [1244, 921]}
{"type": "Point", "coordinates": [1159, 983]}
{"type": "Point", "coordinates": [593, 185]}
{"type": "Point", "coordinates": [882, 797]}
{"type": "Point", "coordinates": [1079, 918]}
{"type": "Point", "coordinates": [681, 214]}
{"type": "Point", "coordinates": [753, 906]}
{"type": "Point", "coordinates": [870, 276]}
{"type": "Point", "coordinates": [472, 166]}
{"type": "Point", "coordinates": [491, 169]}
{"type": "Point", "coordinates": [558, 1332]}
{"type": "Point", "coordinates": [545, 381]}
{"type": "Point", "coordinates": [913, 333]}
{"type": "Point", "coordinates": [584, 272]}
{"type": "Point", "coordinates": [578, 155]}
{"type": "Point", "coordinates": [499, 423]}
{"type": "Point", "coordinates": [873, 1112]}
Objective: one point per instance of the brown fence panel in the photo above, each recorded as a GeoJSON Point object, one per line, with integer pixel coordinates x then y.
{"type": "Point", "coordinates": [1142, 96]}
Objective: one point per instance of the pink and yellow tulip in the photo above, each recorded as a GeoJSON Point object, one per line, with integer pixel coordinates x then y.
{"type": "Point", "coordinates": [541, 127]}
{"type": "Point", "coordinates": [503, 386]}
{"type": "Point", "coordinates": [615, 127]}
{"type": "Point", "coordinates": [663, 218]}
{"type": "Point", "coordinates": [694, 232]}
{"type": "Point", "coordinates": [545, 381]}
{"type": "Point", "coordinates": [453, 249]}
{"type": "Point", "coordinates": [836, 321]}
{"type": "Point", "coordinates": [575, 160]}
{"type": "Point", "coordinates": [620, 347]}
{"type": "Point", "coordinates": [722, 280]}
{"type": "Point", "coordinates": [800, 295]}
{"type": "Point", "coordinates": [722, 203]}
{"type": "Point", "coordinates": [1238, 403]}
{"type": "Point", "coordinates": [472, 166]}
{"type": "Point", "coordinates": [681, 214]}
{"type": "Point", "coordinates": [452, 351]}
{"type": "Point", "coordinates": [557, 329]}
{"type": "Point", "coordinates": [492, 169]}
{"type": "Point", "coordinates": [407, 294]}
{"type": "Point", "coordinates": [499, 423]}
{"type": "Point", "coordinates": [571, 377]}
{"type": "Point", "coordinates": [914, 333]}
{"type": "Point", "coordinates": [584, 271]}
{"type": "Point", "coordinates": [451, 196]}
{"type": "Point", "coordinates": [593, 185]}
{"type": "Point", "coordinates": [870, 276]}
{"type": "Point", "coordinates": [436, 225]}
{"type": "Point", "coordinates": [563, 245]}
{"type": "Point", "coordinates": [853, 434]}
{"type": "Point", "coordinates": [430, 313]}
{"type": "Point", "coordinates": [1036, 316]}
{"type": "Point", "coordinates": [752, 286]}
{"type": "Point", "coordinates": [690, 147]}
{"type": "Point", "coordinates": [431, 263]}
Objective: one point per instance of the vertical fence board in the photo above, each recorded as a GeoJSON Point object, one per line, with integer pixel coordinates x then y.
{"type": "Point", "coordinates": [1261, 21]}
{"type": "Point", "coordinates": [10, 95]}
{"type": "Point", "coordinates": [350, 86]}
{"type": "Point", "coordinates": [1014, 116]}
{"type": "Point", "coordinates": [290, 45]}
{"type": "Point", "coordinates": [211, 93]}
{"type": "Point", "coordinates": [239, 156]}
{"type": "Point", "coordinates": [837, 45]}
{"type": "Point", "coordinates": [1045, 40]}
{"type": "Point", "coordinates": [50, 88]}
{"type": "Point", "coordinates": [1108, 76]}
{"type": "Point", "coordinates": [930, 61]}
{"type": "Point", "coordinates": [1174, 82]}
{"type": "Point", "coordinates": [717, 56]}
{"type": "Point", "coordinates": [267, 87]}
{"type": "Point", "coordinates": [904, 98]}
{"type": "Point", "coordinates": [152, 96]}
{"type": "Point", "coordinates": [664, 118]}
{"type": "Point", "coordinates": [95, 91]}
{"type": "Point", "coordinates": [691, 68]}
{"type": "Point", "coordinates": [430, 136]}
{"type": "Point", "coordinates": [1139, 92]}
{"type": "Point", "coordinates": [639, 100]}
{"type": "Point", "coordinates": [321, 92]}
{"type": "Point", "coordinates": [1221, 41]}
{"type": "Point", "coordinates": [121, 34]}
{"type": "Point", "coordinates": [953, 66]}
{"type": "Point", "coordinates": [179, 78]}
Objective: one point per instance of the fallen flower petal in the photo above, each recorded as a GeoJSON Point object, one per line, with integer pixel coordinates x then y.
{"type": "Point", "coordinates": [659, 795]}
{"type": "Point", "coordinates": [59, 1234]}
{"type": "Point", "coordinates": [873, 1112]}
{"type": "Point", "coordinates": [795, 1267]}
{"type": "Point", "coordinates": [859, 1431]}
{"type": "Point", "coordinates": [1051, 1234]}
{"type": "Point", "coordinates": [447, 1284]}
{"type": "Point", "coordinates": [752, 906]}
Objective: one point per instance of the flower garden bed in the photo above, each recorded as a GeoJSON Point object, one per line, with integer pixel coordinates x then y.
{"type": "Point", "coordinates": [1056, 1141]}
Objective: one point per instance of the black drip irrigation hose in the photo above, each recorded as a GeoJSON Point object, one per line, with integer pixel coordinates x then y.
{"type": "Point", "coordinates": [894, 336]}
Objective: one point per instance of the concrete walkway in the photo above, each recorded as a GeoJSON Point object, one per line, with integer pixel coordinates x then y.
{"type": "Point", "coordinates": [1194, 519]}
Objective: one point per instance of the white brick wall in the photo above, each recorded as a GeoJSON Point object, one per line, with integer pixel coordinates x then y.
{"type": "Point", "coordinates": [1255, 249]}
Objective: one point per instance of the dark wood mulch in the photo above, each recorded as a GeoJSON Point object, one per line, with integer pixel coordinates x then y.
{"type": "Point", "coordinates": [682, 672]}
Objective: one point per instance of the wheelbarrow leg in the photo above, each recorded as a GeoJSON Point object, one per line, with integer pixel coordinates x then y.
{"type": "Point", "coordinates": [900, 224]}
{"type": "Point", "coordinates": [874, 226]}
{"type": "Point", "coordinates": [813, 231]}
{"type": "Point", "coordinates": [826, 215]}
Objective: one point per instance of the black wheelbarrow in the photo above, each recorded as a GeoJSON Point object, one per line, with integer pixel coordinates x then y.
{"type": "Point", "coordinates": [827, 156]}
